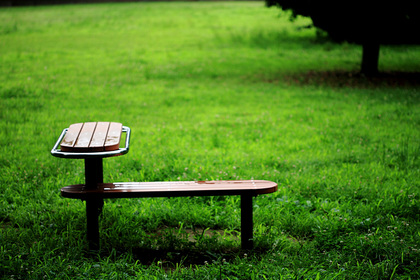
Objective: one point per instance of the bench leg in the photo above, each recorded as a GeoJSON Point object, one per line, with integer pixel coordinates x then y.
{"type": "Point", "coordinates": [93, 209]}
{"type": "Point", "coordinates": [93, 172]}
{"type": "Point", "coordinates": [93, 177]}
{"type": "Point", "coordinates": [246, 222]}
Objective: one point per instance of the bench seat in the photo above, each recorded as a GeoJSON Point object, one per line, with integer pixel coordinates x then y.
{"type": "Point", "coordinates": [170, 189]}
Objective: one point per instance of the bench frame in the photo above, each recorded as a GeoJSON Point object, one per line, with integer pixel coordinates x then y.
{"type": "Point", "coordinates": [94, 191]}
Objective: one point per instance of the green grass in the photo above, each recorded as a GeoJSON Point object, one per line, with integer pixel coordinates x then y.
{"type": "Point", "coordinates": [211, 90]}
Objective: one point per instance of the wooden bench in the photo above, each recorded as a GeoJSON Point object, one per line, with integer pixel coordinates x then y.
{"type": "Point", "coordinates": [95, 141]}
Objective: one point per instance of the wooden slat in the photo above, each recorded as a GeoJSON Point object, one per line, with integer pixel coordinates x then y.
{"type": "Point", "coordinates": [99, 136]}
{"type": "Point", "coordinates": [92, 137]}
{"type": "Point", "coordinates": [114, 137]}
{"type": "Point", "coordinates": [83, 141]}
{"type": "Point", "coordinates": [71, 136]}
{"type": "Point", "coordinates": [171, 189]}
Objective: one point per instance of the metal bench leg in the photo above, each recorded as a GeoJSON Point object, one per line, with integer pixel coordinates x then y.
{"type": "Point", "coordinates": [93, 209]}
{"type": "Point", "coordinates": [93, 172]}
{"type": "Point", "coordinates": [93, 177]}
{"type": "Point", "coordinates": [246, 222]}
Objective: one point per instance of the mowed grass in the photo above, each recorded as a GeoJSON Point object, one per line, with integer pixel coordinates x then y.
{"type": "Point", "coordinates": [211, 91]}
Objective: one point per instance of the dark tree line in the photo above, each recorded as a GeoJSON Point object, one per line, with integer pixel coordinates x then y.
{"type": "Point", "coordinates": [370, 23]}
{"type": "Point", "coordinates": [12, 3]}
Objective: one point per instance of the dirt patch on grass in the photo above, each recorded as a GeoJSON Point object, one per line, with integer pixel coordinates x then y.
{"type": "Point", "coordinates": [197, 234]}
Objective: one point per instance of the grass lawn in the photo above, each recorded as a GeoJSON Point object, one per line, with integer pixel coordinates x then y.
{"type": "Point", "coordinates": [211, 91]}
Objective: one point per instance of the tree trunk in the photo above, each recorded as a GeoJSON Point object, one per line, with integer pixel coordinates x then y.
{"type": "Point", "coordinates": [370, 58]}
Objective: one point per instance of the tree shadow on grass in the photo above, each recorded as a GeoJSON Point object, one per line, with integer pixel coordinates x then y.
{"type": "Point", "coordinates": [349, 79]}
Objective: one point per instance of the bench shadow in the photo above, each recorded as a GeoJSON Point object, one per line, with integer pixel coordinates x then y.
{"type": "Point", "coordinates": [172, 248]}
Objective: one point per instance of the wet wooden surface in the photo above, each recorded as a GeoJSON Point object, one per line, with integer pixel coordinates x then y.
{"type": "Point", "coordinates": [92, 137]}
{"type": "Point", "coordinates": [171, 189]}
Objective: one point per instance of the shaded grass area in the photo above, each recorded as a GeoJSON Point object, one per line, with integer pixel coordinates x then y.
{"type": "Point", "coordinates": [211, 91]}
{"type": "Point", "coordinates": [354, 79]}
